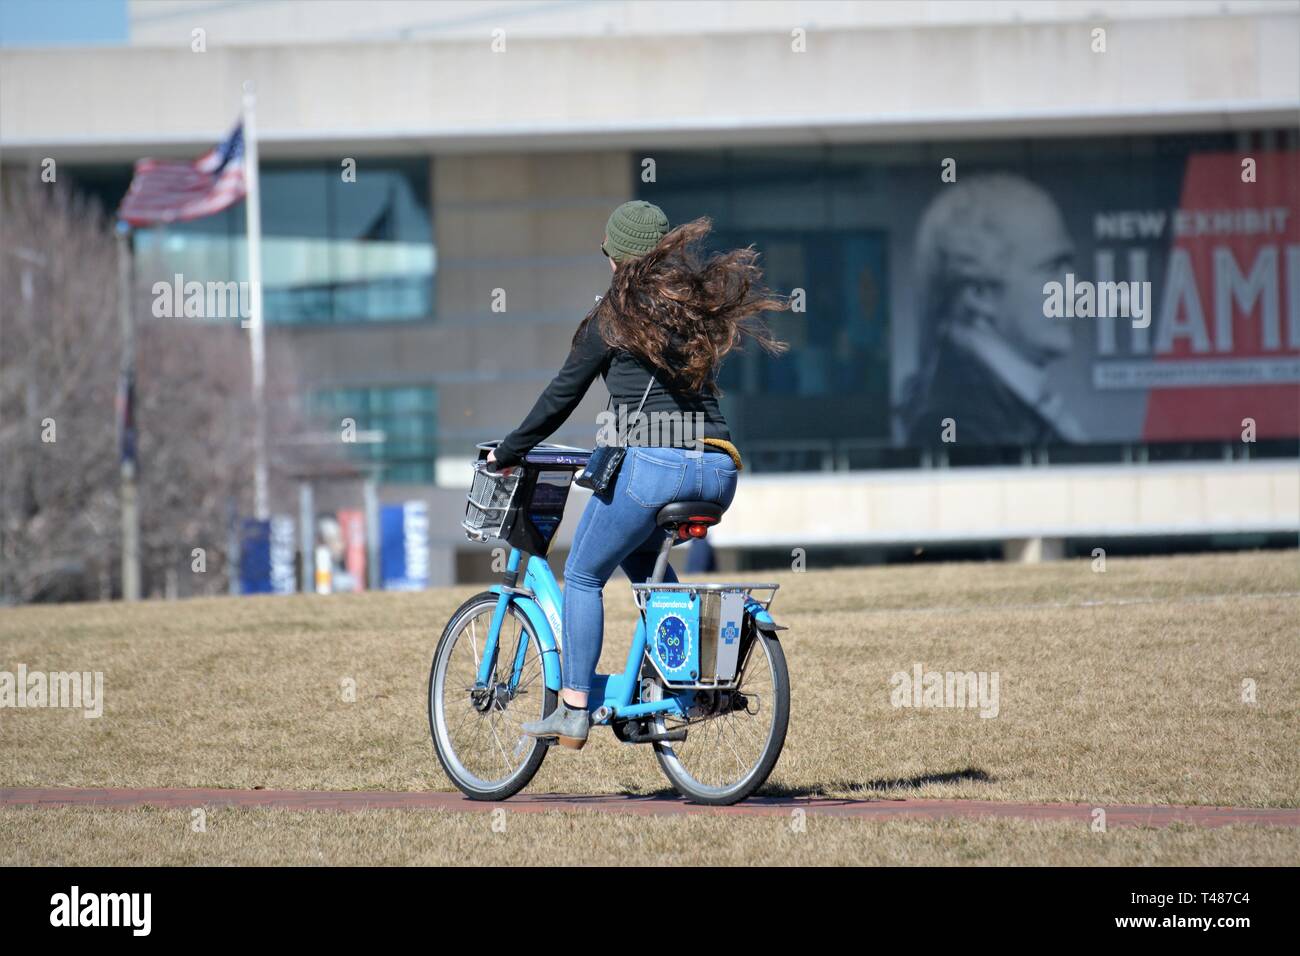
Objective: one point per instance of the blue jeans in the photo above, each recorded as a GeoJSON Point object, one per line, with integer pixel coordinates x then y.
{"type": "Point", "coordinates": [618, 529]}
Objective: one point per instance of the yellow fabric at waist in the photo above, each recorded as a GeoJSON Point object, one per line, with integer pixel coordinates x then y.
{"type": "Point", "coordinates": [729, 448]}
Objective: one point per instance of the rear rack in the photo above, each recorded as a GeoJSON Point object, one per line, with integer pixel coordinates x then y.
{"type": "Point", "coordinates": [640, 591]}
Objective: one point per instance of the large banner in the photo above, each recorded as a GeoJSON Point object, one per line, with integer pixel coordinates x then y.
{"type": "Point", "coordinates": [266, 556]}
{"type": "Point", "coordinates": [1156, 299]}
{"type": "Point", "coordinates": [404, 546]}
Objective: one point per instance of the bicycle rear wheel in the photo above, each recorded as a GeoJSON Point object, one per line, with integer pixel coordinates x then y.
{"type": "Point", "coordinates": [476, 730]}
{"type": "Point", "coordinates": [731, 749]}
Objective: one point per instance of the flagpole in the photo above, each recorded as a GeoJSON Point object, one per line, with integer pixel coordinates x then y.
{"type": "Point", "coordinates": [257, 342]}
{"type": "Point", "coordinates": [126, 415]}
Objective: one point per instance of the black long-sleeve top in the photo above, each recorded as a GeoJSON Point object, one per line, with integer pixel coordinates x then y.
{"type": "Point", "coordinates": [626, 377]}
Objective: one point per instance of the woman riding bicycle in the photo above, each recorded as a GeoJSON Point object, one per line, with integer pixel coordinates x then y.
{"type": "Point", "coordinates": [657, 337]}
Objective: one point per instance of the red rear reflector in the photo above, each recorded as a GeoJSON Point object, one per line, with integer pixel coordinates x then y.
{"type": "Point", "coordinates": [697, 530]}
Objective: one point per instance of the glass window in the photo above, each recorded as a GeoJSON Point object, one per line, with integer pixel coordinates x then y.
{"type": "Point", "coordinates": [384, 258]}
{"type": "Point", "coordinates": [407, 417]}
{"type": "Point", "coordinates": [332, 251]}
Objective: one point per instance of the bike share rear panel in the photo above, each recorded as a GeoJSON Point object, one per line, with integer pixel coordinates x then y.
{"type": "Point", "coordinates": [693, 637]}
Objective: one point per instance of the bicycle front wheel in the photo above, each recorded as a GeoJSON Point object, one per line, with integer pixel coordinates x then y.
{"type": "Point", "coordinates": [476, 729]}
{"type": "Point", "coordinates": [734, 738]}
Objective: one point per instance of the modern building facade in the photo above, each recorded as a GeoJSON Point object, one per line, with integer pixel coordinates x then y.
{"type": "Point", "coordinates": [899, 166]}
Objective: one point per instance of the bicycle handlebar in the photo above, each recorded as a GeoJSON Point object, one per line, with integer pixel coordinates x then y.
{"type": "Point", "coordinates": [543, 455]}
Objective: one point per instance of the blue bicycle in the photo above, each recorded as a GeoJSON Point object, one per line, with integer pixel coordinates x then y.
{"type": "Point", "coordinates": [705, 683]}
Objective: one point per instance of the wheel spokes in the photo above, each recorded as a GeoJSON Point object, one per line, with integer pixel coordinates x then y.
{"type": "Point", "coordinates": [722, 750]}
{"type": "Point", "coordinates": [483, 736]}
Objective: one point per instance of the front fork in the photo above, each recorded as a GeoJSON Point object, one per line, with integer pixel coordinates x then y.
{"type": "Point", "coordinates": [492, 645]}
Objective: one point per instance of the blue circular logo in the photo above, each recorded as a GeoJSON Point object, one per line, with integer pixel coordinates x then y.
{"type": "Point", "coordinates": [673, 642]}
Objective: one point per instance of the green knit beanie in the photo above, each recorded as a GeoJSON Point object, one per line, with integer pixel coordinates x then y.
{"type": "Point", "coordinates": [634, 229]}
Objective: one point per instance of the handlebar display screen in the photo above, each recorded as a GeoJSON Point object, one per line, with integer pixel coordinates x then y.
{"type": "Point", "coordinates": [546, 506]}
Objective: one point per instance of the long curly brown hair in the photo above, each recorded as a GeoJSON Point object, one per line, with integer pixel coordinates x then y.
{"type": "Point", "coordinates": [682, 312]}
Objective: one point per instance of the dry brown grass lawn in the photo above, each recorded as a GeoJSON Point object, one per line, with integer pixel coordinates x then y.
{"type": "Point", "coordinates": [74, 837]}
{"type": "Point", "coordinates": [1135, 699]}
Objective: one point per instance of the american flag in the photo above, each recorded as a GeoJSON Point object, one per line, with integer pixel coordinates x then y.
{"type": "Point", "coordinates": [165, 191]}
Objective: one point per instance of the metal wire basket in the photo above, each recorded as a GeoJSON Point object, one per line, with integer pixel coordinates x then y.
{"type": "Point", "coordinates": [491, 495]}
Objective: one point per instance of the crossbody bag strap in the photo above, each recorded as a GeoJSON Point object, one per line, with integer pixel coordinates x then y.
{"type": "Point", "coordinates": [644, 396]}
{"type": "Point", "coordinates": [610, 401]}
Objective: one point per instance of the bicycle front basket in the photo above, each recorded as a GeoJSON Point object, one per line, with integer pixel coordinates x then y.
{"type": "Point", "coordinates": [491, 495]}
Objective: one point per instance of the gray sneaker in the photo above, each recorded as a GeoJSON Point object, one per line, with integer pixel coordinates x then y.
{"type": "Point", "coordinates": [569, 724]}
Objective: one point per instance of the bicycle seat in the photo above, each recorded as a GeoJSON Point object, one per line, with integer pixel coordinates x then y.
{"type": "Point", "coordinates": [689, 512]}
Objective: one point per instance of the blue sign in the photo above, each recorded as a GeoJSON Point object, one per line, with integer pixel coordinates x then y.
{"type": "Point", "coordinates": [672, 620]}
{"type": "Point", "coordinates": [266, 555]}
{"type": "Point", "coordinates": [404, 546]}
{"type": "Point", "coordinates": [254, 557]}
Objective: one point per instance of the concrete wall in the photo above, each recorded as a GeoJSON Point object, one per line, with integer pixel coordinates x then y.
{"type": "Point", "coordinates": [1028, 510]}
{"type": "Point", "coordinates": [166, 22]}
{"type": "Point", "coordinates": [1043, 78]}
{"type": "Point", "coordinates": [530, 226]}
{"type": "Point", "coordinates": [992, 504]}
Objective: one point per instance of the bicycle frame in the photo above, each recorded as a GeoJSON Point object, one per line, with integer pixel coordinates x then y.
{"type": "Point", "coordinates": [541, 601]}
